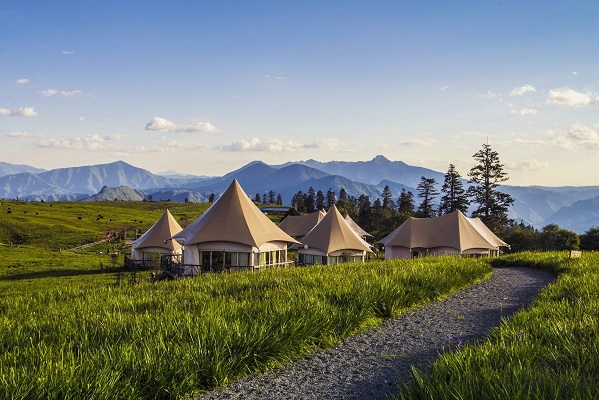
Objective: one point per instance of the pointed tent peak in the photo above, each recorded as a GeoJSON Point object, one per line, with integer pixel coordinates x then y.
{"type": "Point", "coordinates": [159, 234]}
{"type": "Point", "coordinates": [233, 218]}
{"type": "Point", "coordinates": [300, 225]}
{"type": "Point", "coordinates": [355, 226]}
{"type": "Point", "coordinates": [333, 233]}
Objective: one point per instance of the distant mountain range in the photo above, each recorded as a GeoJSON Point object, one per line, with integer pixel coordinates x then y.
{"type": "Point", "coordinates": [574, 208]}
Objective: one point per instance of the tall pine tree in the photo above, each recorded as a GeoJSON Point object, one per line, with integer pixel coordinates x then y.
{"type": "Point", "coordinates": [454, 197]}
{"type": "Point", "coordinates": [427, 192]}
{"type": "Point", "coordinates": [485, 178]}
{"type": "Point", "coordinates": [405, 203]}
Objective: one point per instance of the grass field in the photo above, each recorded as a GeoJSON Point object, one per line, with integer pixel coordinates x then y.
{"type": "Point", "coordinates": [550, 351]}
{"type": "Point", "coordinates": [72, 327]}
{"type": "Point", "coordinates": [174, 339]}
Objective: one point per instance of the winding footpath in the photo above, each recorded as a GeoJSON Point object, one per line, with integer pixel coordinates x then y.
{"type": "Point", "coordinates": [372, 364]}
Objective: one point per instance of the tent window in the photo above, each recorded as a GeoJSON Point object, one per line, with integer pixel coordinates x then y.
{"type": "Point", "coordinates": [243, 259]}
{"type": "Point", "coordinates": [205, 257]}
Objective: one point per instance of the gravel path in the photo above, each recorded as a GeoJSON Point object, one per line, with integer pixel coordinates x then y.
{"type": "Point", "coordinates": [371, 364]}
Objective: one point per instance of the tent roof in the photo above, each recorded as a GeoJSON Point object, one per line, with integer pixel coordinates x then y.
{"type": "Point", "coordinates": [352, 224]}
{"type": "Point", "coordinates": [160, 232]}
{"type": "Point", "coordinates": [453, 230]}
{"type": "Point", "coordinates": [333, 233]}
{"type": "Point", "coordinates": [300, 225]}
{"type": "Point", "coordinates": [487, 233]}
{"type": "Point", "coordinates": [233, 218]}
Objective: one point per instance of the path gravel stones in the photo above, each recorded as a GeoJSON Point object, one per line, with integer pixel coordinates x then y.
{"type": "Point", "coordinates": [372, 364]}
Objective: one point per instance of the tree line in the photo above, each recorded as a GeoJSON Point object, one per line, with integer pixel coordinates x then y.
{"type": "Point", "coordinates": [381, 216]}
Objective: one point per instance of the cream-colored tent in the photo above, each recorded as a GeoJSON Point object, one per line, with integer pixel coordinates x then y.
{"type": "Point", "coordinates": [361, 232]}
{"type": "Point", "coordinates": [297, 226]}
{"type": "Point", "coordinates": [453, 233]}
{"type": "Point", "coordinates": [332, 241]}
{"type": "Point", "coordinates": [156, 240]}
{"type": "Point", "coordinates": [232, 234]}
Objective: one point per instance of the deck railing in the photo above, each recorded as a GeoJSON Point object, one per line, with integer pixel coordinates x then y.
{"type": "Point", "coordinates": [179, 270]}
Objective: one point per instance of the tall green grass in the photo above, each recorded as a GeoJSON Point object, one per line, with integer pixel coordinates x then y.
{"type": "Point", "coordinates": [176, 339]}
{"type": "Point", "coordinates": [64, 225]}
{"type": "Point", "coordinates": [550, 351]}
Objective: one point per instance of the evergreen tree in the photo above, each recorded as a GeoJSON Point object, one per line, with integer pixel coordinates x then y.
{"type": "Point", "coordinates": [257, 198]}
{"type": "Point", "coordinates": [485, 177]}
{"type": "Point", "coordinates": [405, 203]}
{"type": "Point", "coordinates": [427, 192]}
{"type": "Point", "coordinates": [388, 203]}
{"type": "Point", "coordinates": [279, 200]}
{"type": "Point", "coordinates": [330, 199]}
{"type": "Point", "coordinates": [211, 198]}
{"type": "Point", "coordinates": [320, 205]}
{"type": "Point", "coordinates": [297, 201]}
{"type": "Point", "coordinates": [364, 213]}
{"type": "Point", "coordinates": [454, 195]}
{"type": "Point", "coordinates": [310, 200]}
{"type": "Point", "coordinates": [271, 197]}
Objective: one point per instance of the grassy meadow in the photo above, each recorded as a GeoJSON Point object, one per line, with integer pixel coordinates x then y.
{"type": "Point", "coordinates": [549, 351]}
{"type": "Point", "coordinates": [35, 238]}
{"type": "Point", "coordinates": [72, 327]}
{"type": "Point", "coordinates": [173, 339]}
{"type": "Point", "coordinates": [69, 331]}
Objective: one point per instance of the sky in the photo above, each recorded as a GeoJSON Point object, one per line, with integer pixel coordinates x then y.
{"type": "Point", "coordinates": [205, 87]}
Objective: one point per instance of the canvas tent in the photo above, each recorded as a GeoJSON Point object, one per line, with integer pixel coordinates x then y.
{"type": "Point", "coordinates": [297, 226]}
{"type": "Point", "coordinates": [156, 241]}
{"type": "Point", "coordinates": [361, 232]}
{"type": "Point", "coordinates": [332, 241]}
{"type": "Point", "coordinates": [232, 234]}
{"type": "Point", "coordinates": [453, 233]}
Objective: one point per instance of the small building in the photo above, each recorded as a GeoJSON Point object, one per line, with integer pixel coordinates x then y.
{"type": "Point", "coordinates": [156, 242]}
{"type": "Point", "coordinates": [451, 234]}
{"type": "Point", "coordinates": [233, 234]}
{"type": "Point", "coordinates": [332, 241]}
{"type": "Point", "coordinates": [297, 226]}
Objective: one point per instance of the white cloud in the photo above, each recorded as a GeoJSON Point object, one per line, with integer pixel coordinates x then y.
{"type": "Point", "coordinates": [89, 142]}
{"type": "Point", "coordinates": [419, 142]}
{"type": "Point", "coordinates": [206, 127]}
{"type": "Point", "coordinates": [525, 111]}
{"type": "Point", "coordinates": [531, 165]}
{"type": "Point", "coordinates": [54, 92]}
{"type": "Point", "coordinates": [522, 90]}
{"type": "Point", "coordinates": [115, 136]}
{"type": "Point", "coordinates": [164, 125]}
{"type": "Point", "coordinates": [160, 124]}
{"type": "Point", "coordinates": [444, 88]}
{"type": "Point", "coordinates": [569, 97]}
{"type": "Point", "coordinates": [21, 112]}
{"type": "Point", "coordinates": [67, 52]}
{"type": "Point", "coordinates": [255, 144]}
{"type": "Point", "coordinates": [21, 134]}
{"type": "Point", "coordinates": [520, 141]}
{"type": "Point", "coordinates": [22, 81]}
{"type": "Point", "coordinates": [185, 145]}
{"type": "Point", "coordinates": [489, 95]}
{"type": "Point", "coordinates": [325, 143]}
{"type": "Point", "coordinates": [578, 135]}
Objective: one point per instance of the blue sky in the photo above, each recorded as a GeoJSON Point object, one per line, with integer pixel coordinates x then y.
{"type": "Point", "coordinates": [204, 87]}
